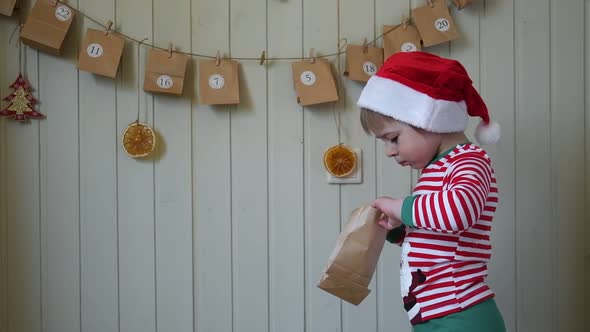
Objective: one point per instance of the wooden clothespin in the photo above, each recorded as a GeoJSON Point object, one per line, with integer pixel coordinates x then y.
{"type": "Point", "coordinates": [170, 50]}
{"type": "Point", "coordinates": [430, 3]}
{"type": "Point", "coordinates": [404, 22]}
{"type": "Point", "coordinates": [218, 58]}
{"type": "Point", "coordinates": [109, 25]}
{"type": "Point", "coordinates": [262, 57]}
{"type": "Point", "coordinates": [53, 3]}
{"type": "Point", "coordinates": [312, 55]}
{"type": "Point", "coordinates": [365, 46]}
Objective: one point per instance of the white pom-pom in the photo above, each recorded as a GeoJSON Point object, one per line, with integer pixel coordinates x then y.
{"type": "Point", "coordinates": [487, 133]}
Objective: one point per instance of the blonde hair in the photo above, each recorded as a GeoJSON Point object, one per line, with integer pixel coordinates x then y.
{"type": "Point", "coordinates": [372, 121]}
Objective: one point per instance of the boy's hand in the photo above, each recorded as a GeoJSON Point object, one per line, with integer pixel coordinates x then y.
{"type": "Point", "coordinates": [391, 207]}
{"type": "Point", "coordinates": [389, 223]}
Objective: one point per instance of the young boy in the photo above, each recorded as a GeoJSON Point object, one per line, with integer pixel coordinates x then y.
{"type": "Point", "coordinates": [419, 104]}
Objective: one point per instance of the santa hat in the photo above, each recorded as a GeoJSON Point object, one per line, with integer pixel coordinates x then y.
{"type": "Point", "coordinates": [428, 92]}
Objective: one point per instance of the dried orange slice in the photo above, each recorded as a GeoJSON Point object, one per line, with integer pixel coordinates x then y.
{"type": "Point", "coordinates": [139, 140]}
{"type": "Point", "coordinates": [340, 160]}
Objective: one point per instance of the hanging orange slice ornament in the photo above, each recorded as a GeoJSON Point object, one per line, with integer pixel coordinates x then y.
{"type": "Point", "coordinates": [139, 140]}
{"type": "Point", "coordinates": [340, 160]}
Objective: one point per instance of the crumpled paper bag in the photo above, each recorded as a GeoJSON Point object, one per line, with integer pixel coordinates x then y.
{"type": "Point", "coordinates": [353, 261]}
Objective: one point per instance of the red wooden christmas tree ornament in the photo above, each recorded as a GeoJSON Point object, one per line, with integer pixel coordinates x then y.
{"type": "Point", "coordinates": [21, 101]}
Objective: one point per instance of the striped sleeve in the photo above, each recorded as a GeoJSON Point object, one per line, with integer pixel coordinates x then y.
{"type": "Point", "coordinates": [459, 206]}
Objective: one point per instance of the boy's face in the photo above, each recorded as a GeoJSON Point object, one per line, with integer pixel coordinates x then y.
{"type": "Point", "coordinates": [409, 146]}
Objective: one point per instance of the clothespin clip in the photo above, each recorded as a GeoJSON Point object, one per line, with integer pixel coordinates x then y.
{"type": "Point", "coordinates": [218, 58]}
{"type": "Point", "coordinates": [169, 50]}
{"type": "Point", "coordinates": [53, 3]}
{"type": "Point", "coordinates": [365, 46]}
{"type": "Point", "coordinates": [109, 25]}
{"type": "Point", "coordinates": [430, 3]}
{"type": "Point", "coordinates": [312, 55]}
{"type": "Point", "coordinates": [262, 57]}
{"type": "Point", "coordinates": [404, 22]}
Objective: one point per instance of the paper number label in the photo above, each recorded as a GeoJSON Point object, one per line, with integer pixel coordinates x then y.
{"type": "Point", "coordinates": [216, 81]}
{"type": "Point", "coordinates": [94, 50]}
{"type": "Point", "coordinates": [442, 24]}
{"type": "Point", "coordinates": [408, 47]}
{"type": "Point", "coordinates": [369, 68]}
{"type": "Point", "coordinates": [308, 78]}
{"type": "Point", "coordinates": [164, 82]}
{"type": "Point", "coordinates": [63, 13]}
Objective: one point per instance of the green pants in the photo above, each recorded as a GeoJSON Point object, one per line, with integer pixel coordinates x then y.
{"type": "Point", "coordinates": [482, 317]}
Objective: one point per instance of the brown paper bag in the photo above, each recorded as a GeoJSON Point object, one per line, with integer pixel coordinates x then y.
{"type": "Point", "coordinates": [400, 38]}
{"type": "Point", "coordinates": [7, 7]}
{"type": "Point", "coordinates": [47, 26]}
{"type": "Point", "coordinates": [362, 62]}
{"type": "Point", "coordinates": [354, 258]}
{"type": "Point", "coordinates": [435, 23]}
{"type": "Point", "coordinates": [165, 72]}
{"type": "Point", "coordinates": [219, 84]}
{"type": "Point", "coordinates": [314, 82]}
{"type": "Point", "coordinates": [462, 3]}
{"type": "Point", "coordinates": [101, 53]}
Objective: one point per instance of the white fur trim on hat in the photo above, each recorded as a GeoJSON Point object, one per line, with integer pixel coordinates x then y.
{"type": "Point", "coordinates": [487, 133]}
{"type": "Point", "coordinates": [415, 108]}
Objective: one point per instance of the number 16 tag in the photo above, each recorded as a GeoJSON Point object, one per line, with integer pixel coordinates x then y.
{"type": "Point", "coordinates": [165, 72]}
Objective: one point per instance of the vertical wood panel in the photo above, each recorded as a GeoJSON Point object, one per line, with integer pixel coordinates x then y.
{"type": "Point", "coordinates": [249, 155]}
{"type": "Point", "coordinates": [173, 174]}
{"type": "Point", "coordinates": [395, 181]}
{"type": "Point", "coordinates": [323, 311]}
{"type": "Point", "coordinates": [212, 181]}
{"type": "Point", "coordinates": [3, 228]}
{"type": "Point", "coordinates": [135, 179]}
{"type": "Point", "coordinates": [60, 186]}
{"type": "Point", "coordinates": [497, 89]}
{"type": "Point", "coordinates": [587, 155]}
{"type": "Point", "coordinates": [536, 298]}
{"type": "Point", "coordinates": [21, 186]}
{"type": "Point", "coordinates": [567, 153]}
{"type": "Point", "coordinates": [364, 316]}
{"type": "Point", "coordinates": [98, 199]}
{"type": "Point", "coordinates": [285, 173]}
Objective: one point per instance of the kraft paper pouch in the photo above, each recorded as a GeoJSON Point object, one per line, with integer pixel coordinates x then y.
{"type": "Point", "coordinates": [400, 38]}
{"type": "Point", "coordinates": [7, 6]}
{"type": "Point", "coordinates": [101, 53]}
{"type": "Point", "coordinates": [219, 82]}
{"type": "Point", "coordinates": [435, 23]}
{"type": "Point", "coordinates": [47, 26]}
{"type": "Point", "coordinates": [165, 72]}
{"type": "Point", "coordinates": [314, 82]}
{"type": "Point", "coordinates": [362, 62]}
{"type": "Point", "coordinates": [354, 259]}
{"type": "Point", "coordinates": [462, 3]}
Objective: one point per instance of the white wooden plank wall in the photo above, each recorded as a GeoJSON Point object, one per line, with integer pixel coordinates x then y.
{"type": "Point", "coordinates": [230, 226]}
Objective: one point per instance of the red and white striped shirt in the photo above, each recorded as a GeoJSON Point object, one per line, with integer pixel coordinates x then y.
{"type": "Point", "coordinates": [447, 245]}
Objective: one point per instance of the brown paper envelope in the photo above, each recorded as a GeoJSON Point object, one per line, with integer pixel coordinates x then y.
{"type": "Point", "coordinates": [219, 85]}
{"type": "Point", "coordinates": [344, 289]}
{"type": "Point", "coordinates": [399, 39]}
{"type": "Point", "coordinates": [165, 72]}
{"type": "Point", "coordinates": [47, 26]}
{"type": "Point", "coordinates": [314, 82]}
{"type": "Point", "coordinates": [435, 23]}
{"type": "Point", "coordinates": [7, 7]}
{"type": "Point", "coordinates": [100, 53]}
{"type": "Point", "coordinates": [362, 63]}
{"type": "Point", "coordinates": [353, 261]}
